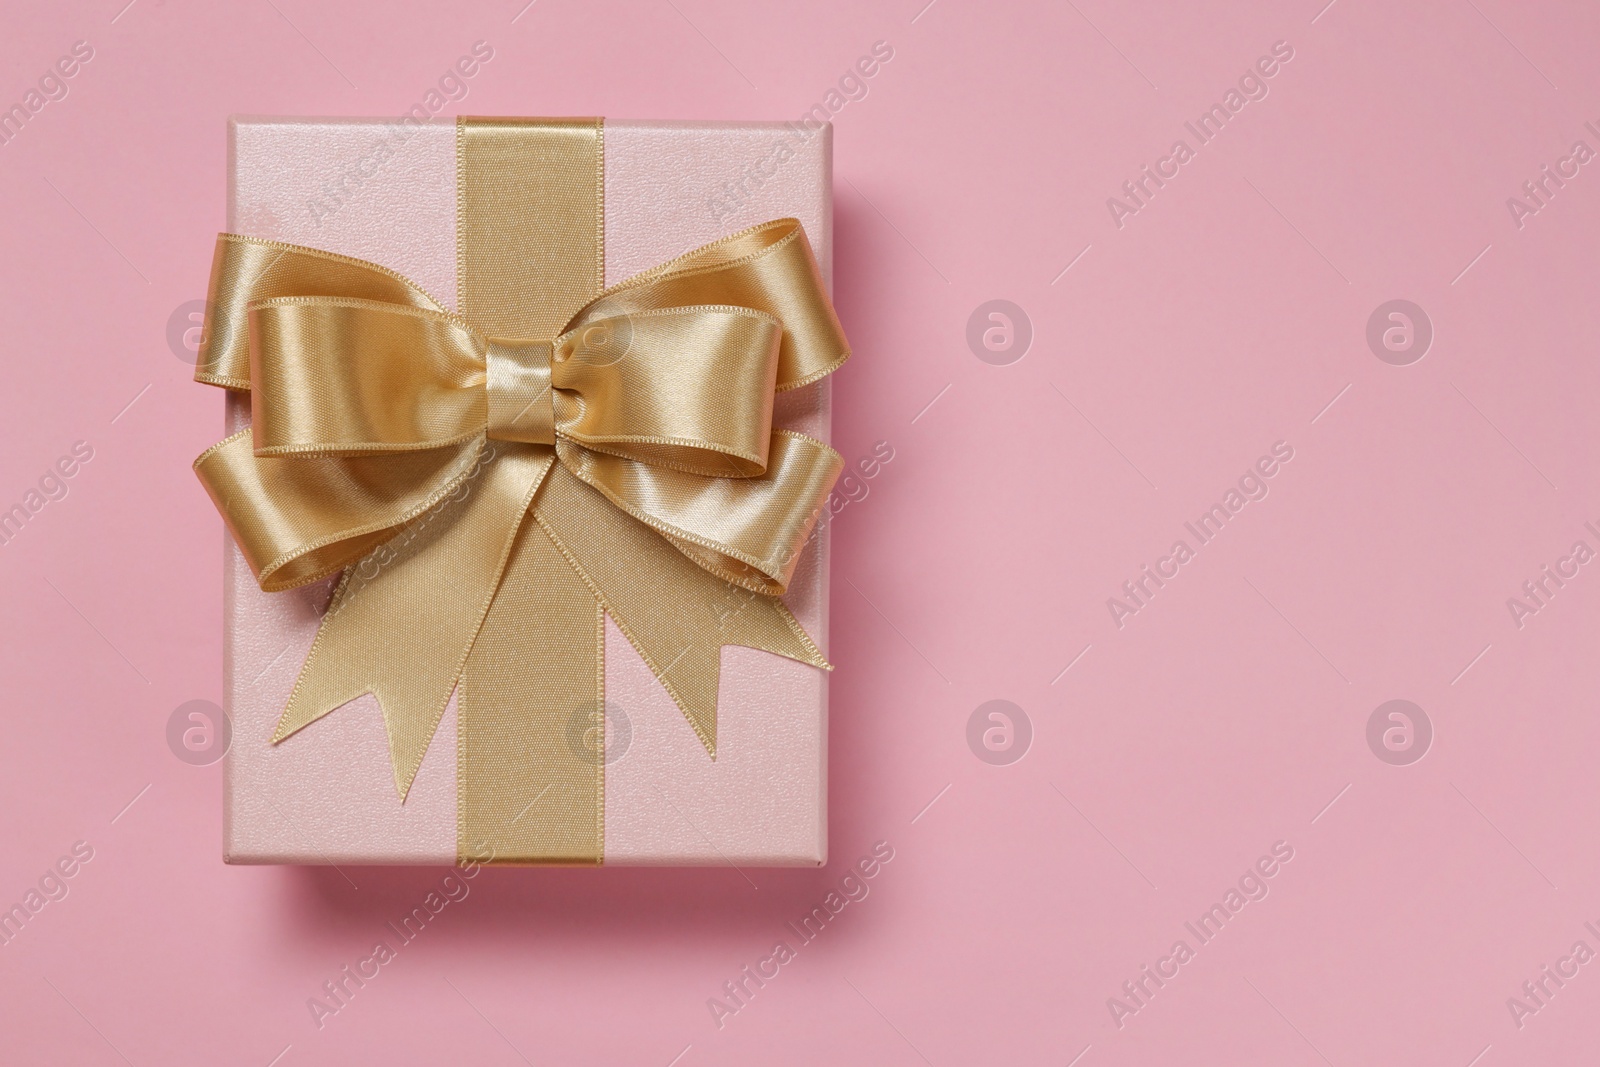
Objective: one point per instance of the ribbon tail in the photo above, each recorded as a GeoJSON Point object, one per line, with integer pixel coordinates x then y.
{"type": "Point", "coordinates": [404, 618]}
{"type": "Point", "coordinates": [676, 614]}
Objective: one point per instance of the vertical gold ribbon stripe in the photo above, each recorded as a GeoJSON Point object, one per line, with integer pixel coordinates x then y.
{"type": "Point", "coordinates": [530, 227]}
{"type": "Point", "coordinates": [530, 222]}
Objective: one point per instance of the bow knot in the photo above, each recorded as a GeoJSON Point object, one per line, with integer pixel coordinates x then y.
{"type": "Point", "coordinates": [521, 405]}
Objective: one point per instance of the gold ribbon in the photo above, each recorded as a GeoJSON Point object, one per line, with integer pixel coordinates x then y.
{"type": "Point", "coordinates": [493, 483]}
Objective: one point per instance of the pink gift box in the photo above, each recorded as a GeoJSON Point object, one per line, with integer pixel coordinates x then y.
{"type": "Point", "coordinates": [384, 192]}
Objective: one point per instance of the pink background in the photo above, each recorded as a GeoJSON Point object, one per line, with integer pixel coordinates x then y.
{"type": "Point", "coordinates": [1227, 715]}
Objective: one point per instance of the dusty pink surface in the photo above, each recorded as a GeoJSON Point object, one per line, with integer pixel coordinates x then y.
{"type": "Point", "coordinates": [326, 795]}
{"type": "Point", "coordinates": [1168, 757]}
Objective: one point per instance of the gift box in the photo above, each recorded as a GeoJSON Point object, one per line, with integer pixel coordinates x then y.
{"type": "Point", "coordinates": [485, 217]}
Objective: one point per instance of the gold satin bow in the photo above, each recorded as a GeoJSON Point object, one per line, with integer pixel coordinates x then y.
{"type": "Point", "coordinates": [395, 441]}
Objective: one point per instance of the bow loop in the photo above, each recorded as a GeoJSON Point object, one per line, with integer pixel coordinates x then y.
{"type": "Point", "coordinates": [687, 389]}
{"type": "Point", "coordinates": [300, 518]}
{"type": "Point", "coordinates": [346, 376]}
{"type": "Point", "coordinates": [747, 531]}
{"type": "Point", "coordinates": [371, 403]}
{"type": "Point", "coordinates": [246, 269]}
{"type": "Point", "coordinates": [768, 268]}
